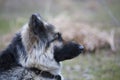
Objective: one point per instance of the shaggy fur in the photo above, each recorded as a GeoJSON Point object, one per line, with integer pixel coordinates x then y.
{"type": "Point", "coordinates": [36, 46]}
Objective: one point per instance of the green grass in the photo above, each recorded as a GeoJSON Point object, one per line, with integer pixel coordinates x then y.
{"type": "Point", "coordinates": [8, 25]}
{"type": "Point", "coordinates": [4, 26]}
{"type": "Point", "coordinates": [100, 66]}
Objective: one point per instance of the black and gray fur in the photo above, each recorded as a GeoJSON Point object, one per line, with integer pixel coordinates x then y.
{"type": "Point", "coordinates": [37, 48]}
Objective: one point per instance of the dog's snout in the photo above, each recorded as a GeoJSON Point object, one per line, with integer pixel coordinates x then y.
{"type": "Point", "coordinates": [81, 47]}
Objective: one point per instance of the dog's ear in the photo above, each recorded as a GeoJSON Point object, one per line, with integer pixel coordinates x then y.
{"type": "Point", "coordinates": [36, 24]}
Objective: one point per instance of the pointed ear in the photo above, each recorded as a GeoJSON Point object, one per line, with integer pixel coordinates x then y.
{"type": "Point", "coordinates": [36, 24]}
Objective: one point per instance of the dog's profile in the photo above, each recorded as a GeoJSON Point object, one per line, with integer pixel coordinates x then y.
{"type": "Point", "coordinates": [35, 52]}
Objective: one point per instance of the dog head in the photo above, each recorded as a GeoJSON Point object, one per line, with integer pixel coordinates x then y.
{"type": "Point", "coordinates": [44, 47]}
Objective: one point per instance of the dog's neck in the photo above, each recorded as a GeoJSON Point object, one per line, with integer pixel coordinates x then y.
{"type": "Point", "coordinates": [45, 74]}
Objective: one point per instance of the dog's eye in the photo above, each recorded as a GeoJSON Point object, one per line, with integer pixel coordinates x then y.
{"type": "Point", "coordinates": [58, 36]}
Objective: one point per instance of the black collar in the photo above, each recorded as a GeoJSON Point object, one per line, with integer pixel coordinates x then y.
{"type": "Point", "coordinates": [45, 74]}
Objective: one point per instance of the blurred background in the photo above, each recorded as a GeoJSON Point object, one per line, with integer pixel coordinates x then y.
{"type": "Point", "coordinates": [92, 23]}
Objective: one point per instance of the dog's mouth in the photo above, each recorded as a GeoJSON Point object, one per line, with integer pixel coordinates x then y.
{"type": "Point", "coordinates": [68, 51]}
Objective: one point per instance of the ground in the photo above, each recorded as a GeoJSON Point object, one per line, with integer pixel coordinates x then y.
{"type": "Point", "coordinates": [101, 66]}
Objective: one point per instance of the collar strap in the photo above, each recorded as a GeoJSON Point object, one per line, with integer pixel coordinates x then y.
{"type": "Point", "coordinates": [45, 74]}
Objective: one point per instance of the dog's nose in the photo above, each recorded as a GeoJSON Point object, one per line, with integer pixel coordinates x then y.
{"type": "Point", "coordinates": [81, 47]}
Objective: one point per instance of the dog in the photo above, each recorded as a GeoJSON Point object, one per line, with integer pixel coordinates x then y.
{"type": "Point", "coordinates": [36, 52]}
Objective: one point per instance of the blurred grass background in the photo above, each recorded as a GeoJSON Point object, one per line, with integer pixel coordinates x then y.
{"type": "Point", "coordinates": [105, 14]}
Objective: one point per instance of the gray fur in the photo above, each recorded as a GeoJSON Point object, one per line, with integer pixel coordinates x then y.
{"type": "Point", "coordinates": [20, 73]}
{"type": "Point", "coordinates": [37, 45]}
